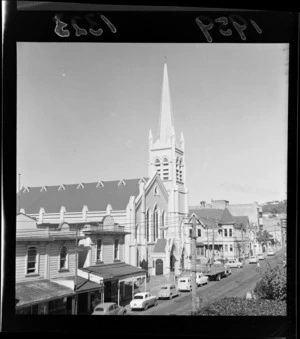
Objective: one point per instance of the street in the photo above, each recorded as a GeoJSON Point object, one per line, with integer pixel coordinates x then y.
{"type": "Point", "coordinates": [235, 285]}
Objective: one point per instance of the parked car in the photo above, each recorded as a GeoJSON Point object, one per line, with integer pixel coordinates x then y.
{"type": "Point", "coordinates": [143, 300]}
{"type": "Point", "coordinates": [234, 264]}
{"type": "Point", "coordinates": [168, 291]}
{"type": "Point", "coordinates": [201, 279]}
{"type": "Point", "coordinates": [253, 259]}
{"type": "Point", "coordinates": [109, 309]}
{"type": "Point", "coordinates": [184, 284]}
{"type": "Point", "coordinates": [260, 256]}
{"type": "Point", "coordinates": [270, 252]}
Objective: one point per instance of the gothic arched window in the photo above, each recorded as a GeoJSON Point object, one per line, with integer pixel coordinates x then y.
{"type": "Point", "coordinates": [155, 224]}
{"type": "Point", "coordinates": [162, 224]}
{"type": "Point", "coordinates": [147, 224]}
{"type": "Point", "coordinates": [177, 169]}
{"type": "Point", "coordinates": [180, 170]}
{"type": "Point", "coordinates": [157, 166]}
{"type": "Point", "coordinates": [165, 169]}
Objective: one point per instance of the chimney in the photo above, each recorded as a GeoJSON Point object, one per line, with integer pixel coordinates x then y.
{"type": "Point", "coordinates": [202, 204]}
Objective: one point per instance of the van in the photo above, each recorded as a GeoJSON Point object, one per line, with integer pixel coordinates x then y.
{"type": "Point", "coordinates": [184, 284]}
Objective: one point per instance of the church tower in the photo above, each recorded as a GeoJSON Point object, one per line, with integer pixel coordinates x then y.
{"type": "Point", "coordinates": [166, 157]}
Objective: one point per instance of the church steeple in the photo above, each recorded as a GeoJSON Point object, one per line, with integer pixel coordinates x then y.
{"type": "Point", "coordinates": [166, 123]}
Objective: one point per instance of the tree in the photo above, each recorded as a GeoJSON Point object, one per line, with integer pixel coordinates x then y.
{"type": "Point", "coordinates": [263, 237]}
{"type": "Point", "coordinates": [272, 284]}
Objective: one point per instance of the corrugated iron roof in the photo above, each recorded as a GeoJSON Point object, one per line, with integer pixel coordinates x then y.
{"type": "Point", "coordinates": [221, 216]}
{"type": "Point", "coordinates": [33, 292]}
{"type": "Point", "coordinates": [115, 270]}
{"type": "Point", "coordinates": [73, 199]}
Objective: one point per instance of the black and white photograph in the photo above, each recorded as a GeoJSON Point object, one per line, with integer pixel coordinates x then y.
{"type": "Point", "coordinates": [151, 176]}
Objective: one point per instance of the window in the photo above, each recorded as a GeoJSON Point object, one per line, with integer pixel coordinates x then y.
{"type": "Point", "coordinates": [99, 250]}
{"type": "Point", "coordinates": [230, 232]}
{"type": "Point", "coordinates": [32, 258]}
{"type": "Point", "coordinates": [116, 254]}
{"type": "Point", "coordinates": [165, 169]}
{"type": "Point", "coordinates": [226, 248]}
{"type": "Point", "coordinates": [191, 232]}
{"type": "Point", "coordinates": [157, 165]}
{"type": "Point", "coordinates": [63, 258]}
{"type": "Point", "coordinates": [199, 233]}
{"type": "Point", "coordinates": [225, 232]}
{"type": "Point", "coordinates": [155, 224]}
{"type": "Point", "coordinates": [147, 224]}
{"type": "Point", "coordinates": [200, 251]}
{"type": "Point", "coordinates": [177, 169]}
{"type": "Point", "coordinates": [180, 170]}
{"type": "Point", "coordinates": [231, 248]}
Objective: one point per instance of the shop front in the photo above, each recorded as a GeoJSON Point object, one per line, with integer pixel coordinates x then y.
{"type": "Point", "coordinates": [120, 280]}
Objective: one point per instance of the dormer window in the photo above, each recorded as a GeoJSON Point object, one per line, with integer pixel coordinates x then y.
{"type": "Point", "coordinates": [61, 187]}
{"type": "Point", "coordinates": [80, 186]}
{"type": "Point", "coordinates": [121, 182]}
{"type": "Point", "coordinates": [100, 184]}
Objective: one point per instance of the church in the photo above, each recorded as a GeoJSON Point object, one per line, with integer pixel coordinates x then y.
{"type": "Point", "coordinates": [153, 210]}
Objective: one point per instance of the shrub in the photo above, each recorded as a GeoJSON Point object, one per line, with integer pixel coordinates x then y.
{"type": "Point", "coordinates": [243, 307]}
{"type": "Point", "coordinates": [272, 284]}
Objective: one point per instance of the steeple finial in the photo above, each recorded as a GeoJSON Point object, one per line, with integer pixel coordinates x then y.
{"type": "Point", "coordinates": [166, 126]}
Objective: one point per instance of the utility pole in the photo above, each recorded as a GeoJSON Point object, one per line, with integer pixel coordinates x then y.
{"type": "Point", "coordinates": [75, 278]}
{"type": "Point", "coordinates": [207, 245]}
{"type": "Point", "coordinates": [194, 269]}
{"type": "Point", "coordinates": [243, 245]}
{"type": "Point", "coordinates": [213, 244]}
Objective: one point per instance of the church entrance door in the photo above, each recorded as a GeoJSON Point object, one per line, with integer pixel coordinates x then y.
{"type": "Point", "coordinates": [159, 267]}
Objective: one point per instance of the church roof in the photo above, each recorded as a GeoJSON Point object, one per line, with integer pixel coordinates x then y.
{"type": "Point", "coordinates": [223, 217]}
{"type": "Point", "coordinates": [160, 246]}
{"type": "Point", "coordinates": [73, 197]}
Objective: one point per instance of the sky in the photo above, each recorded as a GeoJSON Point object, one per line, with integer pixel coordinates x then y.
{"type": "Point", "coordinates": [84, 112]}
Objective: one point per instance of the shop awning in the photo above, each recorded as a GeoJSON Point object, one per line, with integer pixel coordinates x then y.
{"type": "Point", "coordinates": [33, 292]}
{"type": "Point", "coordinates": [115, 271]}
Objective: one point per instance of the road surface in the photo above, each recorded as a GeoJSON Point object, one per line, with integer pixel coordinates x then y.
{"type": "Point", "coordinates": [235, 285]}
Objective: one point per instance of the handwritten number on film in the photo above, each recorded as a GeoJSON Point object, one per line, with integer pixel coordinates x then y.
{"type": "Point", "coordinates": [60, 26]}
{"type": "Point", "coordinates": [240, 24]}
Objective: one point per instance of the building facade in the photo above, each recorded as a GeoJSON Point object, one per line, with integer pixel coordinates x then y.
{"type": "Point", "coordinates": [220, 235]}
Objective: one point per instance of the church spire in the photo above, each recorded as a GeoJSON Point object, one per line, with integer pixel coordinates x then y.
{"type": "Point", "coordinates": [166, 124]}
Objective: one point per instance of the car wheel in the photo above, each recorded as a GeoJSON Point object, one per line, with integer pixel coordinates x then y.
{"type": "Point", "coordinates": [146, 307]}
{"type": "Point", "coordinates": [170, 296]}
{"type": "Point", "coordinates": [218, 277]}
{"type": "Point", "coordinates": [155, 303]}
{"type": "Point", "coordinates": [124, 313]}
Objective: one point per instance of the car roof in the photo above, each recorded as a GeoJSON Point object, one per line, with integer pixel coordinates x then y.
{"type": "Point", "coordinates": [167, 285]}
{"type": "Point", "coordinates": [141, 293]}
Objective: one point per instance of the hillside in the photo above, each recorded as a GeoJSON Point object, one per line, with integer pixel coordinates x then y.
{"type": "Point", "coordinates": [275, 208]}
